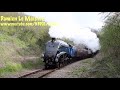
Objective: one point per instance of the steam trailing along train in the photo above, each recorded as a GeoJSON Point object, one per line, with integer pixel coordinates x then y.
{"type": "Point", "coordinates": [58, 53]}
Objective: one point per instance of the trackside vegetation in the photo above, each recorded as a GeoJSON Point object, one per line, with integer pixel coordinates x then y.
{"type": "Point", "coordinates": [17, 43]}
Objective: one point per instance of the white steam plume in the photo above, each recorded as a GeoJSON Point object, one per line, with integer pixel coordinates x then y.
{"type": "Point", "coordinates": [71, 30]}
{"type": "Point", "coordinates": [78, 36]}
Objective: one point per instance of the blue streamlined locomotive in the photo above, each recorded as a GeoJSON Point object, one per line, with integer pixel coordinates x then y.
{"type": "Point", "coordinates": [58, 52]}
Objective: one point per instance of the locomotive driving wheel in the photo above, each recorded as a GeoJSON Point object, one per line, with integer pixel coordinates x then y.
{"type": "Point", "coordinates": [46, 66]}
{"type": "Point", "coordinates": [65, 59]}
{"type": "Point", "coordinates": [62, 60]}
{"type": "Point", "coordinates": [58, 64]}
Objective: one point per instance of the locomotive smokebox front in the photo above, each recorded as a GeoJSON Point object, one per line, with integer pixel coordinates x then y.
{"type": "Point", "coordinates": [51, 49]}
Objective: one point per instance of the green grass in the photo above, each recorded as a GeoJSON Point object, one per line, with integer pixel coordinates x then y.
{"type": "Point", "coordinates": [107, 67]}
{"type": "Point", "coordinates": [10, 67]}
{"type": "Point", "coordinates": [32, 64]}
{"type": "Point", "coordinates": [83, 69]}
{"type": "Point", "coordinates": [4, 38]}
{"type": "Point", "coordinates": [79, 72]}
{"type": "Point", "coordinates": [13, 47]}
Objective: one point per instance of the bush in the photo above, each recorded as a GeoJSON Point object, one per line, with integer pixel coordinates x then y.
{"type": "Point", "coordinates": [109, 64]}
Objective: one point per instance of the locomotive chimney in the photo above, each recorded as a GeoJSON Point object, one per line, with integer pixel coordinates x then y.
{"type": "Point", "coordinates": [53, 39]}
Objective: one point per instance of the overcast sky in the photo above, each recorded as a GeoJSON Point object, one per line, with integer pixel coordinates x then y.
{"type": "Point", "coordinates": [82, 19]}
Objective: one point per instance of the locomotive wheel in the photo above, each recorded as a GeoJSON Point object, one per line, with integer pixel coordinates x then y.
{"type": "Point", "coordinates": [58, 64]}
{"type": "Point", "coordinates": [46, 66]}
{"type": "Point", "coordinates": [63, 60]}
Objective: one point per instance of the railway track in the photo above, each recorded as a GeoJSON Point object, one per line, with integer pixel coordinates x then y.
{"type": "Point", "coordinates": [42, 72]}
{"type": "Point", "coordinates": [38, 73]}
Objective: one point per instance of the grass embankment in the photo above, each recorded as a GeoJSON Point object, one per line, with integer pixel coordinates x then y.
{"type": "Point", "coordinates": [84, 68]}
{"type": "Point", "coordinates": [12, 56]}
{"type": "Point", "coordinates": [19, 42]}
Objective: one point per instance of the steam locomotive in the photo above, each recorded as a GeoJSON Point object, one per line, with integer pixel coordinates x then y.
{"type": "Point", "coordinates": [58, 53]}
